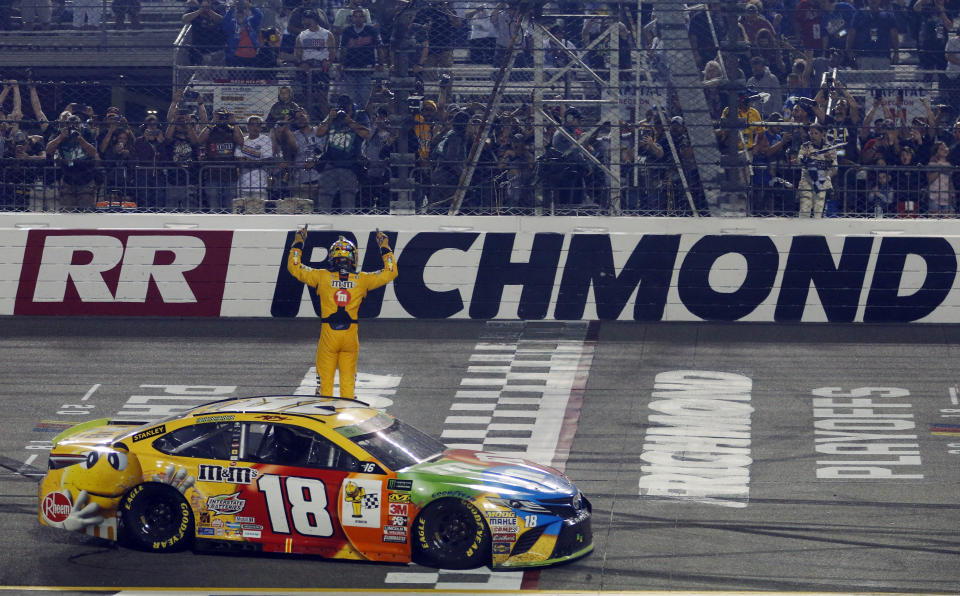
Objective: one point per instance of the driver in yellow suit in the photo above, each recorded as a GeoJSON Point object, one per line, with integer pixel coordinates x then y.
{"type": "Point", "coordinates": [341, 290]}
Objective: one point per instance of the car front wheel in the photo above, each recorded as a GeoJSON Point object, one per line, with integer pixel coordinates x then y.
{"type": "Point", "coordinates": [157, 518]}
{"type": "Point", "coordinates": [451, 534]}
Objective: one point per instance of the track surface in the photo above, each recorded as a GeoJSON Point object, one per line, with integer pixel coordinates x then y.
{"type": "Point", "coordinates": [792, 530]}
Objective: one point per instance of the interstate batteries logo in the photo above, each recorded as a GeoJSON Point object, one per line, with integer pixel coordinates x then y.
{"type": "Point", "coordinates": [123, 272]}
{"type": "Point", "coordinates": [226, 504]}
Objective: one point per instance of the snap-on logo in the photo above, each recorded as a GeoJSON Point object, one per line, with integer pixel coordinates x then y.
{"type": "Point", "coordinates": [125, 272]}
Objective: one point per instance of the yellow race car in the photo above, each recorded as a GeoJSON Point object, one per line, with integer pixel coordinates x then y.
{"type": "Point", "coordinates": [308, 475]}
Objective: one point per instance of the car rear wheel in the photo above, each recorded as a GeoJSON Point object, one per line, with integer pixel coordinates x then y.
{"type": "Point", "coordinates": [451, 534]}
{"type": "Point", "coordinates": [157, 518]}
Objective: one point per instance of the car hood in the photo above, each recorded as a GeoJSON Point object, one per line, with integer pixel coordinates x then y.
{"type": "Point", "coordinates": [94, 433]}
{"type": "Point", "coordinates": [476, 471]}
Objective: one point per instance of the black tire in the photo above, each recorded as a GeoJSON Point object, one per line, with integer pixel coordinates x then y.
{"type": "Point", "coordinates": [156, 517]}
{"type": "Point", "coordinates": [451, 534]}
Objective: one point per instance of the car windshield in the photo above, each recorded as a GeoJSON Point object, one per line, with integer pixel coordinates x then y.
{"type": "Point", "coordinates": [399, 446]}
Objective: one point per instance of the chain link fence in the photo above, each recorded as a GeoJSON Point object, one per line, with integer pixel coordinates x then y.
{"type": "Point", "coordinates": [619, 108]}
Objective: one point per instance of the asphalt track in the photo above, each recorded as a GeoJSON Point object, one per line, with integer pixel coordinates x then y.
{"type": "Point", "coordinates": [771, 517]}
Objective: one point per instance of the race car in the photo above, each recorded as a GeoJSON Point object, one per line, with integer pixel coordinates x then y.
{"type": "Point", "coordinates": [309, 475]}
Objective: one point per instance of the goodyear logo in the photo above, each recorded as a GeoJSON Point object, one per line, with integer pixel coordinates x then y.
{"type": "Point", "coordinates": [220, 418]}
{"type": "Point", "coordinates": [398, 498]}
{"type": "Point", "coordinates": [157, 430]}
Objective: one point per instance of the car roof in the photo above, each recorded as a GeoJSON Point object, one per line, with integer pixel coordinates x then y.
{"type": "Point", "coordinates": [326, 410]}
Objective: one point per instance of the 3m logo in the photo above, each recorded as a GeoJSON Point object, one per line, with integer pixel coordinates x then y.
{"type": "Point", "coordinates": [128, 272]}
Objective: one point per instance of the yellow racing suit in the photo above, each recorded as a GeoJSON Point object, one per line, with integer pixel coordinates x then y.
{"type": "Point", "coordinates": [340, 296]}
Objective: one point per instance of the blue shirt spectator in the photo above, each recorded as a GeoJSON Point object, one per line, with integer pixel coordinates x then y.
{"type": "Point", "coordinates": [241, 25]}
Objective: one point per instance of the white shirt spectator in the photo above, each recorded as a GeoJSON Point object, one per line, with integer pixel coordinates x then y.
{"type": "Point", "coordinates": [253, 181]}
{"type": "Point", "coordinates": [314, 44]}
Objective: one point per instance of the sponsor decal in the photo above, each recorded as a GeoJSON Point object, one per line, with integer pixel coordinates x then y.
{"type": "Point", "coordinates": [500, 524]}
{"type": "Point", "coordinates": [504, 536]}
{"type": "Point", "coordinates": [157, 430]}
{"type": "Point", "coordinates": [123, 272]}
{"type": "Point", "coordinates": [251, 533]}
{"type": "Point", "coordinates": [398, 498]}
{"type": "Point", "coordinates": [226, 504]}
{"type": "Point", "coordinates": [56, 507]}
{"type": "Point", "coordinates": [246, 520]}
{"type": "Point", "coordinates": [360, 505]}
{"type": "Point", "coordinates": [803, 277]}
{"type": "Point", "coordinates": [697, 445]}
{"type": "Point", "coordinates": [509, 514]}
{"type": "Point", "coordinates": [861, 435]}
{"type": "Point", "coordinates": [252, 527]}
{"type": "Point", "coordinates": [501, 548]}
{"type": "Point", "coordinates": [220, 532]}
{"type": "Point", "coordinates": [271, 417]}
{"type": "Point", "coordinates": [395, 534]}
{"type": "Point", "coordinates": [336, 283]}
{"type": "Point", "coordinates": [228, 474]}
{"type": "Point", "coordinates": [234, 526]}
{"type": "Point", "coordinates": [204, 518]}
{"type": "Point", "coordinates": [218, 418]}
{"type": "Point", "coordinates": [217, 523]}
{"type": "Point", "coordinates": [400, 485]}
{"type": "Point", "coordinates": [205, 531]}
{"type": "Point", "coordinates": [398, 509]}
{"type": "Point", "coordinates": [399, 520]}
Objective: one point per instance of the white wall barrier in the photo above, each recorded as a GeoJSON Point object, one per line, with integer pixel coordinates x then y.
{"type": "Point", "coordinates": [646, 269]}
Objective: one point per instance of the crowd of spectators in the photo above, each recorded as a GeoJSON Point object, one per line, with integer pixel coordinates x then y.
{"type": "Point", "coordinates": [816, 144]}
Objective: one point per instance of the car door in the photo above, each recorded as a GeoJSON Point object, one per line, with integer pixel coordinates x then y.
{"type": "Point", "coordinates": [293, 504]}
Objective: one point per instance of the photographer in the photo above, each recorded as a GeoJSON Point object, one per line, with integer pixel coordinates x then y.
{"type": "Point", "coordinates": [819, 163]}
{"type": "Point", "coordinates": [77, 160]}
{"type": "Point", "coordinates": [206, 37]}
{"type": "Point", "coordinates": [24, 173]}
{"type": "Point", "coordinates": [298, 139]}
{"type": "Point", "coordinates": [376, 151]}
{"type": "Point", "coordinates": [341, 163]}
{"type": "Point", "coordinates": [182, 145]}
{"type": "Point", "coordinates": [148, 155]}
{"type": "Point", "coordinates": [219, 172]}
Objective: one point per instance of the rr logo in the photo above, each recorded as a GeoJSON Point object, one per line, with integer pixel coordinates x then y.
{"type": "Point", "coordinates": [150, 272]}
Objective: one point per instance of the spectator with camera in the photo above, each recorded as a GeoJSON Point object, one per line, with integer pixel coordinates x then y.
{"type": "Point", "coordinates": [116, 154]}
{"type": "Point", "coordinates": [77, 159]}
{"type": "Point", "coordinates": [297, 138]}
{"type": "Point", "coordinates": [517, 164]}
{"type": "Point", "coordinates": [182, 145]}
{"type": "Point", "coordinates": [206, 36]}
{"type": "Point", "coordinates": [340, 166]}
{"type": "Point", "coordinates": [315, 50]}
{"type": "Point", "coordinates": [25, 170]}
{"type": "Point", "coordinates": [149, 155]}
{"type": "Point", "coordinates": [361, 52]}
{"type": "Point", "coordinates": [375, 188]}
{"type": "Point", "coordinates": [219, 172]}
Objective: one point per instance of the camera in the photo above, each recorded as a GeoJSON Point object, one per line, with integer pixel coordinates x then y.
{"type": "Point", "coordinates": [19, 138]}
{"type": "Point", "coordinates": [415, 103]}
{"type": "Point", "coordinates": [74, 133]}
{"type": "Point", "coordinates": [191, 95]}
{"type": "Point", "coordinates": [341, 114]}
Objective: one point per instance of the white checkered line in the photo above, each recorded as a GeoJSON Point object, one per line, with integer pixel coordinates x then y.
{"type": "Point", "coordinates": [514, 402]}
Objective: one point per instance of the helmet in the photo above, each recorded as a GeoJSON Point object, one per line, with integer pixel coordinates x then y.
{"type": "Point", "coordinates": [343, 255]}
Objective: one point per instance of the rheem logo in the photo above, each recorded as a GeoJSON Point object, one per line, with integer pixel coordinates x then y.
{"type": "Point", "coordinates": [131, 273]}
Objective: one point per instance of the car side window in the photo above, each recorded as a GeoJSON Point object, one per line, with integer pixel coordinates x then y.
{"type": "Point", "coordinates": [209, 440]}
{"type": "Point", "coordinates": [288, 445]}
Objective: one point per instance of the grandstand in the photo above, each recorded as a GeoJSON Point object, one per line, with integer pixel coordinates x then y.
{"type": "Point", "coordinates": [616, 107]}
